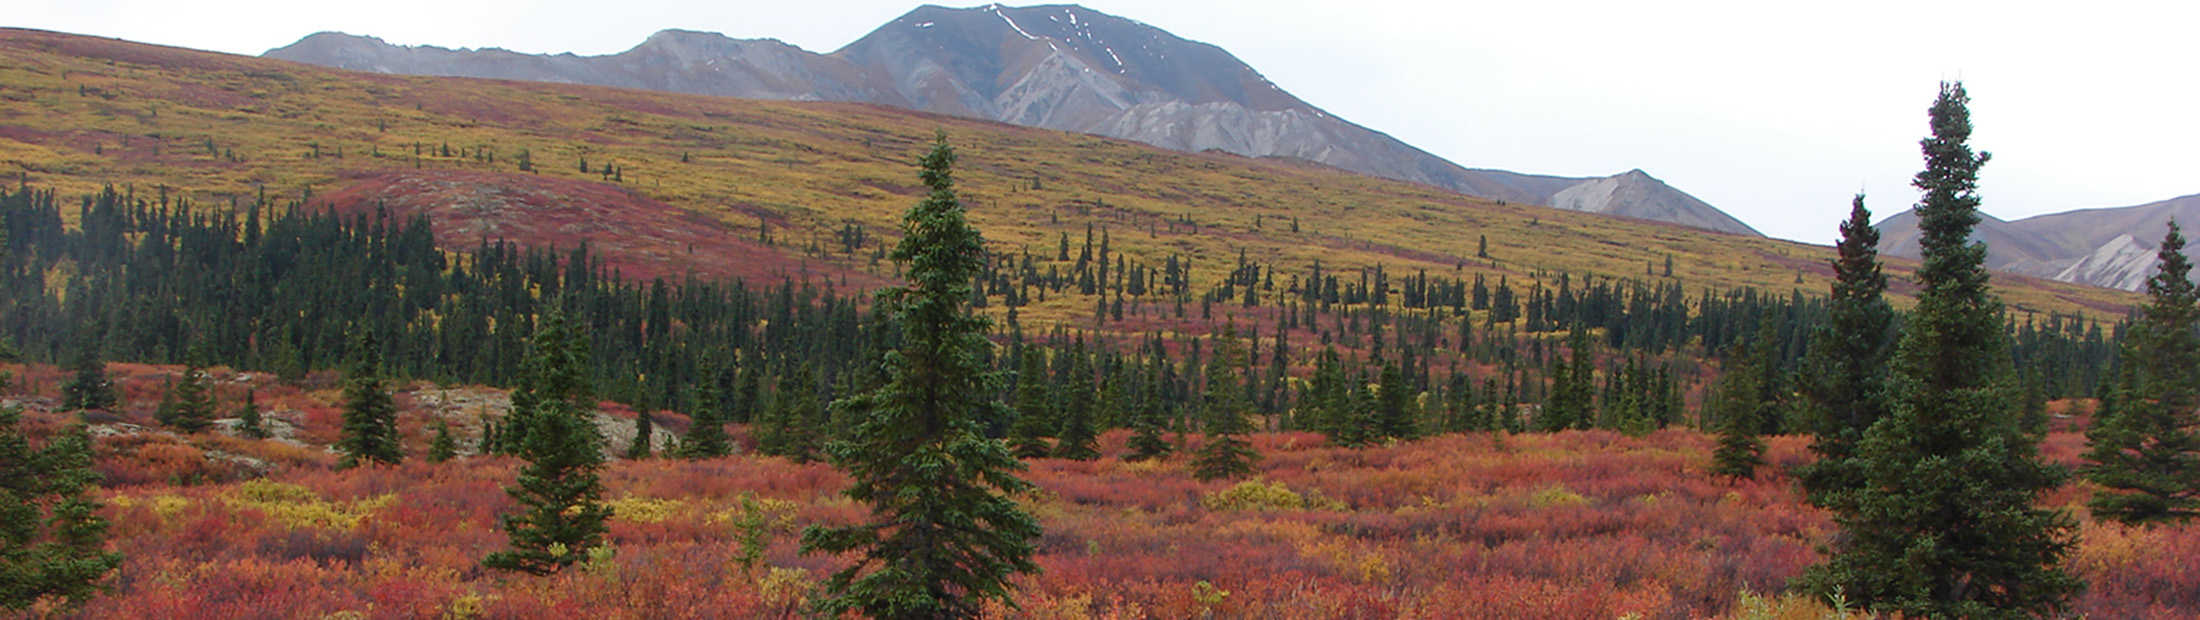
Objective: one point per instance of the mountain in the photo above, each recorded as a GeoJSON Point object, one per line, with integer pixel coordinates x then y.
{"type": "Point", "coordinates": [1056, 66]}
{"type": "Point", "coordinates": [2111, 247]}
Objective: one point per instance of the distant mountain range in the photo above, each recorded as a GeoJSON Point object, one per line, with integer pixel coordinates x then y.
{"type": "Point", "coordinates": [1058, 66]}
{"type": "Point", "coordinates": [2112, 247]}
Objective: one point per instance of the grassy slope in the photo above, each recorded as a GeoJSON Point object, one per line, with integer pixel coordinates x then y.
{"type": "Point", "coordinates": [80, 112]}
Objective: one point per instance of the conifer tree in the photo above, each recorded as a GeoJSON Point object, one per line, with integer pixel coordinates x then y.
{"type": "Point", "coordinates": [706, 434]}
{"type": "Point", "coordinates": [189, 406]}
{"type": "Point", "coordinates": [51, 535]}
{"type": "Point", "coordinates": [1844, 386]}
{"type": "Point", "coordinates": [1944, 523]}
{"type": "Point", "coordinates": [444, 446]}
{"type": "Point", "coordinates": [561, 510]}
{"type": "Point", "coordinates": [1034, 409]}
{"type": "Point", "coordinates": [1738, 411]}
{"type": "Point", "coordinates": [1226, 454]}
{"type": "Point", "coordinates": [1395, 414]}
{"type": "Point", "coordinates": [89, 388]}
{"type": "Point", "coordinates": [370, 415]}
{"type": "Point", "coordinates": [1146, 442]}
{"type": "Point", "coordinates": [945, 536]}
{"type": "Point", "coordinates": [2146, 452]}
{"type": "Point", "coordinates": [251, 424]}
{"type": "Point", "coordinates": [645, 431]}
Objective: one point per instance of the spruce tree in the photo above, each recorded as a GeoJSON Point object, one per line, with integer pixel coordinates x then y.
{"type": "Point", "coordinates": [1146, 442]}
{"type": "Point", "coordinates": [944, 535]}
{"type": "Point", "coordinates": [51, 535]}
{"type": "Point", "coordinates": [251, 424]}
{"type": "Point", "coordinates": [444, 446]}
{"type": "Point", "coordinates": [561, 510]}
{"type": "Point", "coordinates": [645, 433]}
{"type": "Point", "coordinates": [1844, 384]}
{"type": "Point", "coordinates": [1944, 523]}
{"type": "Point", "coordinates": [1226, 454]}
{"type": "Point", "coordinates": [1738, 409]}
{"type": "Point", "coordinates": [1079, 441]}
{"type": "Point", "coordinates": [370, 414]}
{"type": "Point", "coordinates": [2146, 452]}
{"type": "Point", "coordinates": [89, 388]}
{"type": "Point", "coordinates": [189, 406]}
{"type": "Point", "coordinates": [706, 434]}
{"type": "Point", "coordinates": [1034, 409]}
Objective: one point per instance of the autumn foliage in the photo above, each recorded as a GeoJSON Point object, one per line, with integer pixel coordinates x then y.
{"type": "Point", "coordinates": [1569, 524]}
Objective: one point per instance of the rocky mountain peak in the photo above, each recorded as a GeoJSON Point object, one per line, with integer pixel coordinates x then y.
{"type": "Point", "coordinates": [1057, 66]}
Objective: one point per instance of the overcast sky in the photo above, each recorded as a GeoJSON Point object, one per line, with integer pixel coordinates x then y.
{"type": "Point", "coordinates": [1773, 111]}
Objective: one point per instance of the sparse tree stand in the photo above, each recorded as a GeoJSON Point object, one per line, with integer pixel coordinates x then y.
{"type": "Point", "coordinates": [1945, 524]}
{"type": "Point", "coordinates": [51, 535]}
{"type": "Point", "coordinates": [370, 415]}
{"type": "Point", "coordinates": [562, 514]}
{"type": "Point", "coordinates": [2146, 452]}
{"type": "Point", "coordinates": [1226, 454]}
{"type": "Point", "coordinates": [945, 535]}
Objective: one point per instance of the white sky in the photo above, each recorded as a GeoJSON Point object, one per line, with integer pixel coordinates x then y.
{"type": "Point", "coordinates": [1773, 111]}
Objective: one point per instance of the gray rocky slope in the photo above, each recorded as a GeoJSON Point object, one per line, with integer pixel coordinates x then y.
{"type": "Point", "coordinates": [2111, 247]}
{"type": "Point", "coordinates": [1058, 66]}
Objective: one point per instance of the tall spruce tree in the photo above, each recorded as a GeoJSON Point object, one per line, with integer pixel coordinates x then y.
{"type": "Point", "coordinates": [1845, 378]}
{"type": "Point", "coordinates": [1945, 522]}
{"type": "Point", "coordinates": [1226, 454]}
{"type": "Point", "coordinates": [370, 414]}
{"type": "Point", "coordinates": [2146, 451]}
{"type": "Point", "coordinates": [560, 496]}
{"type": "Point", "coordinates": [944, 536]}
{"type": "Point", "coordinates": [51, 535]}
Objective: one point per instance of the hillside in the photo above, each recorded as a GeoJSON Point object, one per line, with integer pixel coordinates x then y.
{"type": "Point", "coordinates": [2110, 247]}
{"type": "Point", "coordinates": [1054, 66]}
{"type": "Point", "coordinates": [79, 113]}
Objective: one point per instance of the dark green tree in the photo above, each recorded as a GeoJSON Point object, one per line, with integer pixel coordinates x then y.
{"type": "Point", "coordinates": [1844, 386]}
{"type": "Point", "coordinates": [444, 446]}
{"type": "Point", "coordinates": [1034, 409]}
{"type": "Point", "coordinates": [1079, 441]}
{"type": "Point", "coordinates": [945, 535]}
{"type": "Point", "coordinates": [560, 496]}
{"type": "Point", "coordinates": [645, 433]}
{"type": "Point", "coordinates": [370, 414]}
{"type": "Point", "coordinates": [1738, 409]}
{"type": "Point", "coordinates": [1944, 523]}
{"type": "Point", "coordinates": [706, 434]}
{"type": "Point", "coordinates": [251, 424]}
{"type": "Point", "coordinates": [52, 540]}
{"type": "Point", "coordinates": [1146, 442]}
{"type": "Point", "coordinates": [190, 401]}
{"type": "Point", "coordinates": [90, 388]}
{"type": "Point", "coordinates": [1225, 454]}
{"type": "Point", "coordinates": [2146, 452]}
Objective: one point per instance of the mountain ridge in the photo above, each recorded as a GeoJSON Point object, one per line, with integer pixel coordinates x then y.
{"type": "Point", "coordinates": [2112, 247]}
{"type": "Point", "coordinates": [1052, 66]}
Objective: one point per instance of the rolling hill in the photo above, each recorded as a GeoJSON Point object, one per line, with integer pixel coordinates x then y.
{"type": "Point", "coordinates": [78, 113]}
{"type": "Point", "coordinates": [1056, 66]}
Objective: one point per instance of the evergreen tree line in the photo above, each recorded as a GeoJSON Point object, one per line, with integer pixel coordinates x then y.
{"type": "Point", "coordinates": [157, 279]}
